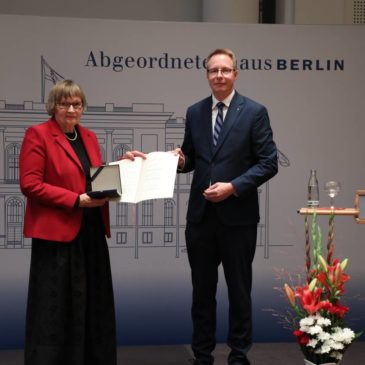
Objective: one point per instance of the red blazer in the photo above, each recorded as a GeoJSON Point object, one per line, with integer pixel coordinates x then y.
{"type": "Point", "coordinates": [51, 177]}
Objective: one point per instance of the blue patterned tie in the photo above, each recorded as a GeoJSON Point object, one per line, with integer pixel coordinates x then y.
{"type": "Point", "coordinates": [218, 122]}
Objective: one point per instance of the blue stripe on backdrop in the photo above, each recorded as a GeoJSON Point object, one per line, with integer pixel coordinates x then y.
{"type": "Point", "coordinates": [155, 320]}
{"type": "Point", "coordinates": [12, 319]}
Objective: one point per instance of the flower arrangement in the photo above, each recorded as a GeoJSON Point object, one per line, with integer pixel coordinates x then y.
{"type": "Point", "coordinates": [318, 318]}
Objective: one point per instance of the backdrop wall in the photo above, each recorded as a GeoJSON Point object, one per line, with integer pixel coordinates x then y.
{"type": "Point", "coordinates": [139, 78]}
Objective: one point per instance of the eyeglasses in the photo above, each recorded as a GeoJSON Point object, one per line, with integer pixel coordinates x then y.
{"type": "Point", "coordinates": [66, 106]}
{"type": "Point", "coordinates": [224, 71]}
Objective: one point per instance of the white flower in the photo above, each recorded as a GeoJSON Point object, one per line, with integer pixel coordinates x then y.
{"type": "Point", "coordinates": [312, 343]}
{"type": "Point", "coordinates": [345, 335]}
{"type": "Point", "coordinates": [337, 345]}
{"type": "Point", "coordinates": [307, 321]}
{"type": "Point", "coordinates": [324, 336]}
{"type": "Point", "coordinates": [315, 330]}
{"type": "Point", "coordinates": [337, 355]}
{"type": "Point", "coordinates": [325, 340]}
{"type": "Point", "coordinates": [325, 349]}
{"type": "Point", "coordinates": [324, 322]}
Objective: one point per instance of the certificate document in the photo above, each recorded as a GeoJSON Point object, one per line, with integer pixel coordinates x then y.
{"type": "Point", "coordinates": [152, 178]}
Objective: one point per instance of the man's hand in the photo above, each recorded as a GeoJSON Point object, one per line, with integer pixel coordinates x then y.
{"type": "Point", "coordinates": [218, 192]}
{"type": "Point", "coordinates": [181, 162]}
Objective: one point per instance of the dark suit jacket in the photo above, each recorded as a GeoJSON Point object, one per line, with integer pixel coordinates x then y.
{"type": "Point", "coordinates": [245, 155]}
{"type": "Point", "coordinates": [51, 177]}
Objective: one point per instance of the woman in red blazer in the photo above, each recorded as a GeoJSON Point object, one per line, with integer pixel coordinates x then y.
{"type": "Point", "coordinates": [70, 313]}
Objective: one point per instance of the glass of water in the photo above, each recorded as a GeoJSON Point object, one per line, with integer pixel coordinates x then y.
{"type": "Point", "coordinates": [332, 188]}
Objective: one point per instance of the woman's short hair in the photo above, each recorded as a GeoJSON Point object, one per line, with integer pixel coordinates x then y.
{"type": "Point", "coordinates": [62, 90]}
{"type": "Point", "coordinates": [225, 51]}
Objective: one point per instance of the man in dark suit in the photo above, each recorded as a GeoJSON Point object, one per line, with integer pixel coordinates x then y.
{"type": "Point", "coordinates": [230, 147]}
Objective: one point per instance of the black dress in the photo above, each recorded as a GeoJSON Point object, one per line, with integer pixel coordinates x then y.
{"type": "Point", "coordinates": [70, 313]}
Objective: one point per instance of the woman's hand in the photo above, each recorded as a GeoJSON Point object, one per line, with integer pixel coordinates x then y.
{"type": "Point", "coordinates": [130, 155]}
{"type": "Point", "coordinates": [87, 202]}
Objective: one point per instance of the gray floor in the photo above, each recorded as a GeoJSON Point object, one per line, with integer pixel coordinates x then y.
{"type": "Point", "coordinates": [260, 354]}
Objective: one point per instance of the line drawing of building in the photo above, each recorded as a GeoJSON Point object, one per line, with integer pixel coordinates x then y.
{"type": "Point", "coordinates": [141, 126]}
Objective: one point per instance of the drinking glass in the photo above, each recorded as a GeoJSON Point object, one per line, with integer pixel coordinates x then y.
{"type": "Point", "coordinates": [332, 189]}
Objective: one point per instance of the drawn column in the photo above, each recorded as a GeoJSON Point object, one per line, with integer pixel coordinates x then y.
{"type": "Point", "coordinates": [2, 152]}
{"type": "Point", "coordinates": [2, 177]}
{"type": "Point", "coordinates": [109, 145]}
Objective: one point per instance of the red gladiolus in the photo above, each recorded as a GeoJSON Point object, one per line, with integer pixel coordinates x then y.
{"type": "Point", "coordinates": [338, 310]}
{"type": "Point", "coordinates": [334, 277]}
{"type": "Point", "coordinates": [311, 300]}
{"type": "Point", "coordinates": [290, 294]}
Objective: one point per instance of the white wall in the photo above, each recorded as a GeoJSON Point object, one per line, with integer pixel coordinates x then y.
{"type": "Point", "coordinates": [287, 11]}
{"type": "Point", "coordinates": [320, 11]}
{"type": "Point", "coordinates": [165, 10]}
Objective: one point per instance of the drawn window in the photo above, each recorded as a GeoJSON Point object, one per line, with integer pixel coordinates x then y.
{"type": "Point", "coordinates": [147, 237]}
{"type": "Point", "coordinates": [122, 214]}
{"type": "Point", "coordinates": [121, 238]}
{"type": "Point", "coordinates": [147, 213]}
{"type": "Point", "coordinates": [168, 237]}
{"type": "Point", "coordinates": [15, 211]}
{"type": "Point", "coordinates": [12, 162]}
{"type": "Point", "coordinates": [169, 146]}
{"type": "Point", "coordinates": [169, 212]}
{"type": "Point", "coordinates": [14, 221]}
{"type": "Point", "coordinates": [119, 151]}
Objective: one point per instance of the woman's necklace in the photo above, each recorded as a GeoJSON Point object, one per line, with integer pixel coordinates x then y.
{"type": "Point", "coordinates": [72, 138]}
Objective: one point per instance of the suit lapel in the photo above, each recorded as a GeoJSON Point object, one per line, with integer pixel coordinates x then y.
{"type": "Point", "coordinates": [206, 130]}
